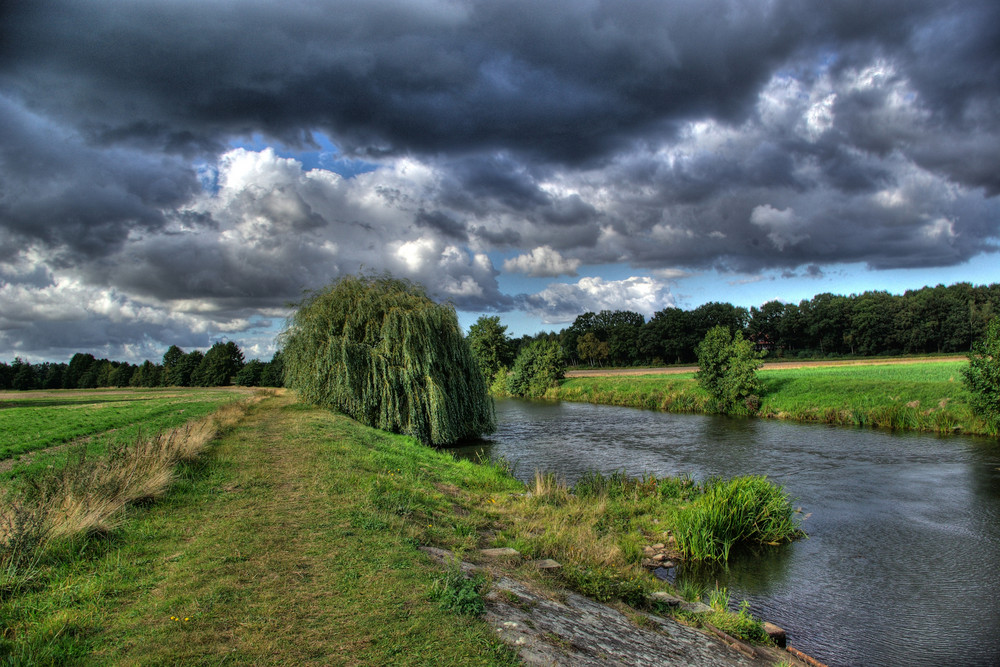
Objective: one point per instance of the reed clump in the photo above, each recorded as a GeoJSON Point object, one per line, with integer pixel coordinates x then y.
{"type": "Point", "coordinates": [600, 527]}
{"type": "Point", "coordinates": [743, 510]}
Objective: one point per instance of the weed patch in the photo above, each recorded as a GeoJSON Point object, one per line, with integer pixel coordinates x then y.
{"type": "Point", "coordinates": [460, 594]}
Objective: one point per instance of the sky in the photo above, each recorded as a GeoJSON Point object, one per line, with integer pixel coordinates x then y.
{"type": "Point", "coordinates": [181, 172]}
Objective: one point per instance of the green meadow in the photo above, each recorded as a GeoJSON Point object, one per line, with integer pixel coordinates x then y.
{"type": "Point", "coordinates": [39, 429]}
{"type": "Point", "coordinates": [290, 535]}
{"type": "Point", "coordinates": [923, 395]}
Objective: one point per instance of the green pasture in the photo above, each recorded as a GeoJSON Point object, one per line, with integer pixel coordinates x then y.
{"type": "Point", "coordinates": [924, 395]}
{"type": "Point", "coordinates": [35, 426]}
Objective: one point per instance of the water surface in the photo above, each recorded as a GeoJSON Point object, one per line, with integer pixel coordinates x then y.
{"type": "Point", "coordinates": [902, 563]}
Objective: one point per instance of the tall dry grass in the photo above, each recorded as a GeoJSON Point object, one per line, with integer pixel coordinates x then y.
{"type": "Point", "coordinates": [87, 494]}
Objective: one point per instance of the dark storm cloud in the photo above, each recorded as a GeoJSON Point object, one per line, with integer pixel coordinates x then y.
{"type": "Point", "coordinates": [565, 80]}
{"type": "Point", "coordinates": [85, 200]}
{"type": "Point", "coordinates": [443, 224]}
{"type": "Point", "coordinates": [735, 135]}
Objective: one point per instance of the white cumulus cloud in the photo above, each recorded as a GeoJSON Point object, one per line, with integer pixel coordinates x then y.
{"type": "Point", "coordinates": [562, 302]}
{"type": "Point", "coordinates": [542, 262]}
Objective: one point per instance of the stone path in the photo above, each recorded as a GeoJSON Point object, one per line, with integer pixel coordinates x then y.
{"type": "Point", "coordinates": [576, 631]}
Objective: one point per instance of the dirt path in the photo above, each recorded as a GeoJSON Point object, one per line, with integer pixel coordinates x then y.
{"type": "Point", "coordinates": [768, 366]}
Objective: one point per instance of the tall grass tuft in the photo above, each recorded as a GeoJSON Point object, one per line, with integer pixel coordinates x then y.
{"type": "Point", "coordinates": [742, 510]}
{"type": "Point", "coordinates": [24, 530]}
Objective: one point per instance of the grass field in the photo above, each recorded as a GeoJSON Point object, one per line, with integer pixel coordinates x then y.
{"type": "Point", "coordinates": [279, 547]}
{"type": "Point", "coordinates": [925, 395]}
{"type": "Point", "coordinates": [38, 429]}
{"type": "Point", "coordinates": [294, 540]}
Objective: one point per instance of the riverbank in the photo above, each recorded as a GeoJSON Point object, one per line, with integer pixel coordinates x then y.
{"type": "Point", "coordinates": [920, 394]}
{"type": "Point", "coordinates": [296, 521]}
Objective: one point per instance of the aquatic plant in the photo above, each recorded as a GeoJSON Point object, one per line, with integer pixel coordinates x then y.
{"type": "Point", "coordinates": [747, 509]}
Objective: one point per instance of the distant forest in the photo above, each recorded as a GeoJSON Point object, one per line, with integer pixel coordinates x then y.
{"type": "Point", "coordinates": [926, 321]}
{"type": "Point", "coordinates": [222, 365]}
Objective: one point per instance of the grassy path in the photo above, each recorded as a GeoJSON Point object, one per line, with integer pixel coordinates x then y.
{"type": "Point", "coordinates": [269, 552]}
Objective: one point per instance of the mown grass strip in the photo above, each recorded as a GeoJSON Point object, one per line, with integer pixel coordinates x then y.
{"type": "Point", "coordinates": [41, 420]}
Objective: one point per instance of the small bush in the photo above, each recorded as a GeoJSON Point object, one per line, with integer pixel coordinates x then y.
{"type": "Point", "coordinates": [460, 594]}
{"type": "Point", "coordinates": [982, 377]}
{"type": "Point", "coordinates": [727, 369]}
{"type": "Point", "coordinates": [539, 366]}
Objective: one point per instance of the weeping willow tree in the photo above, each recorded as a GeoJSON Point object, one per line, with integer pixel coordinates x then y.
{"type": "Point", "coordinates": [378, 349]}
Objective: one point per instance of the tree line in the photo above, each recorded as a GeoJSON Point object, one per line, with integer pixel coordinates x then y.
{"type": "Point", "coordinates": [929, 320]}
{"type": "Point", "coordinates": [221, 365]}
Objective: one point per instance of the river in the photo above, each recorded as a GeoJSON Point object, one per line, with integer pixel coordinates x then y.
{"type": "Point", "coordinates": [902, 562]}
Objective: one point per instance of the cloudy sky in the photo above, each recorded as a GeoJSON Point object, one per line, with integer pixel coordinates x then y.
{"type": "Point", "coordinates": [178, 172]}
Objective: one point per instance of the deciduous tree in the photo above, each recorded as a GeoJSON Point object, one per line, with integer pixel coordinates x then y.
{"type": "Point", "coordinates": [982, 377]}
{"type": "Point", "coordinates": [491, 346]}
{"type": "Point", "coordinates": [537, 367]}
{"type": "Point", "coordinates": [379, 350]}
{"type": "Point", "coordinates": [727, 369]}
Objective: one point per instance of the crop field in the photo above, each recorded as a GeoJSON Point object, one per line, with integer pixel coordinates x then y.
{"type": "Point", "coordinates": [39, 428]}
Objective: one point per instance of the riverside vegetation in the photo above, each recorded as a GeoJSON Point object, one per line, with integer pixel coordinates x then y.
{"type": "Point", "coordinates": [381, 351]}
{"type": "Point", "coordinates": [296, 519]}
{"type": "Point", "coordinates": [920, 395]}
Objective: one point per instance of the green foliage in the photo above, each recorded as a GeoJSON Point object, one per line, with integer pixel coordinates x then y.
{"type": "Point", "coordinates": [379, 350]}
{"type": "Point", "coordinates": [250, 374]}
{"type": "Point", "coordinates": [498, 387]}
{"type": "Point", "coordinates": [539, 366]}
{"type": "Point", "coordinates": [460, 594]}
{"type": "Point", "coordinates": [742, 624]}
{"type": "Point", "coordinates": [147, 375]}
{"type": "Point", "coordinates": [592, 349]}
{"type": "Point", "coordinates": [273, 374]}
{"type": "Point", "coordinates": [619, 486]}
{"type": "Point", "coordinates": [982, 377]}
{"type": "Point", "coordinates": [727, 369]}
{"type": "Point", "coordinates": [490, 346]}
{"type": "Point", "coordinates": [221, 364]}
{"type": "Point", "coordinates": [606, 584]}
{"type": "Point", "coordinates": [743, 510]}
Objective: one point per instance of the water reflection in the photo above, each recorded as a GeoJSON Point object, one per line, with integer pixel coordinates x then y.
{"type": "Point", "coordinates": [904, 534]}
